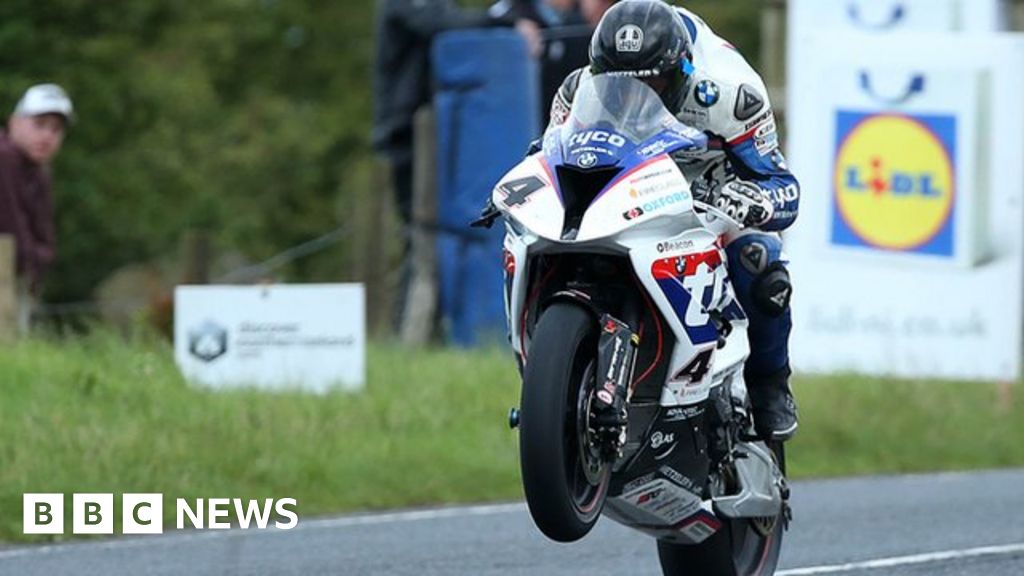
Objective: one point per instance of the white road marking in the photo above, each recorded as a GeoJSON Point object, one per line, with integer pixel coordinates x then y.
{"type": "Point", "coordinates": [906, 560]}
{"type": "Point", "coordinates": [414, 515]}
{"type": "Point", "coordinates": [174, 536]}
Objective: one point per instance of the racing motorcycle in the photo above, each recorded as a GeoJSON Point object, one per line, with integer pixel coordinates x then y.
{"type": "Point", "coordinates": [631, 344]}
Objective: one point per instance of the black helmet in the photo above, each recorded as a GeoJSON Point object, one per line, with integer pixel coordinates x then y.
{"type": "Point", "coordinates": [645, 39]}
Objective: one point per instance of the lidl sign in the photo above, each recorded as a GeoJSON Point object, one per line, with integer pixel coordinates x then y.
{"type": "Point", "coordinates": [894, 183]}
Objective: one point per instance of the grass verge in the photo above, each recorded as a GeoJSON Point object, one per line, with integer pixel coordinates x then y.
{"type": "Point", "coordinates": [98, 414]}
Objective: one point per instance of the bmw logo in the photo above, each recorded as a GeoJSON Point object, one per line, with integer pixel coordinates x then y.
{"type": "Point", "coordinates": [587, 160]}
{"type": "Point", "coordinates": [706, 93]}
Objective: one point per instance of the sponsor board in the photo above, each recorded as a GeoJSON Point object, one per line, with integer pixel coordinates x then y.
{"type": "Point", "coordinates": [309, 337]}
{"type": "Point", "coordinates": [910, 264]}
{"type": "Point", "coordinates": [895, 182]}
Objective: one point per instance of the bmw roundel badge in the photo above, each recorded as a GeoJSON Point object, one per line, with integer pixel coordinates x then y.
{"type": "Point", "coordinates": [706, 93]}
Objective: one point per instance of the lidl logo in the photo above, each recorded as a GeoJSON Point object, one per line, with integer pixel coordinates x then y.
{"type": "Point", "coordinates": [895, 182]}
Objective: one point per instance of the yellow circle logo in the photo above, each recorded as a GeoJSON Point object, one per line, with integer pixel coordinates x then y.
{"type": "Point", "coordinates": [894, 183]}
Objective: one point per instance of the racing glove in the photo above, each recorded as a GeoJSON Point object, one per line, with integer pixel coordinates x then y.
{"type": "Point", "coordinates": [744, 202]}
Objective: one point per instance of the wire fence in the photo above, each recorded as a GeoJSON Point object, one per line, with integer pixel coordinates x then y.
{"type": "Point", "coordinates": [261, 271]}
{"type": "Point", "coordinates": [249, 274]}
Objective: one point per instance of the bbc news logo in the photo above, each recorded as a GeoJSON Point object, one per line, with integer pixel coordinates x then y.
{"type": "Point", "coordinates": [144, 513]}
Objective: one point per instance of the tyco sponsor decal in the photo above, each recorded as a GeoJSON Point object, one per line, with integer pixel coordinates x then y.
{"type": "Point", "coordinates": [894, 181]}
{"type": "Point", "coordinates": [598, 137]}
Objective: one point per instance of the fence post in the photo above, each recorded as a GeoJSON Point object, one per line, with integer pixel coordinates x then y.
{"type": "Point", "coordinates": [196, 255]}
{"type": "Point", "coordinates": [421, 298]}
{"type": "Point", "coordinates": [8, 290]}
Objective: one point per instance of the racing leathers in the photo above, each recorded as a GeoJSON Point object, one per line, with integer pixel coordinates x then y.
{"type": "Point", "coordinates": [746, 176]}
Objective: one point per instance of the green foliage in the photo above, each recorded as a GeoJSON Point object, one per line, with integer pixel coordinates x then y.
{"type": "Point", "coordinates": [738, 21]}
{"type": "Point", "coordinates": [240, 117]}
{"type": "Point", "coordinates": [247, 118]}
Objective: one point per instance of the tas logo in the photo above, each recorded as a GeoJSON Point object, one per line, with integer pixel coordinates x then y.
{"type": "Point", "coordinates": [629, 38]}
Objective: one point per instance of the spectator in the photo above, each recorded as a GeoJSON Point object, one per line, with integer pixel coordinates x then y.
{"type": "Point", "coordinates": [401, 80]}
{"type": "Point", "coordinates": [566, 27]}
{"type": "Point", "coordinates": [405, 30]}
{"type": "Point", "coordinates": [35, 132]}
{"type": "Point", "coordinates": [547, 13]}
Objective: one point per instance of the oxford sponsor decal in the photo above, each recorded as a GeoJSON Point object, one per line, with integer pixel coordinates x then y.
{"type": "Point", "coordinates": [894, 183]}
{"type": "Point", "coordinates": [656, 205]}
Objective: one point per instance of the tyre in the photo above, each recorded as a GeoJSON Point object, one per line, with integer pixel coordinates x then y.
{"type": "Point", "coordinates": [564, 479]}
{"type": "Point", "coordinates": [743, 547]}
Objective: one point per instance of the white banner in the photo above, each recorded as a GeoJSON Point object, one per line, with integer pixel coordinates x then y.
{"type": "Point", "coordinates": [310, 337]}
{"type": "Point", "coordinates": [908, 256]}
{"type": "Point", "coordinates": [896, 16]}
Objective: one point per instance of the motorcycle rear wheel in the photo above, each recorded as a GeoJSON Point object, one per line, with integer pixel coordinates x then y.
{"type": "Point", "coordinates": [564, 480]}
{"type": "Point", "coordinates": [743, 547]}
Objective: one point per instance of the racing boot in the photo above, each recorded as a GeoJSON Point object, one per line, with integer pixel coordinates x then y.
{"type": "Point", "coordinates": [771, 400]}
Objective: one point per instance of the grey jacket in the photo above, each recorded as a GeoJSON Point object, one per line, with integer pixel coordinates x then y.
{"type": "Point", "coordinates": [401, 74]}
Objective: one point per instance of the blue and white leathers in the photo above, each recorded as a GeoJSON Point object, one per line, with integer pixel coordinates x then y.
{"type": "Point", "coordinates": [742, 116]}
{"type": "Point", "coordinates": [727, 99]}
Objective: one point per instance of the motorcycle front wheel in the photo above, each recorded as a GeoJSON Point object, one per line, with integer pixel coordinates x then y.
{"type": "Point", "coordinates": [564, 478]}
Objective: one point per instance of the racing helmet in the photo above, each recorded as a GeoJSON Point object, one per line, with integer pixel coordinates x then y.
{"type": "Point", "coordinates": [645, 39]}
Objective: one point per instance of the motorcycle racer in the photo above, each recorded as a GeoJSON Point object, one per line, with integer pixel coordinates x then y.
{"type": "Point", "coordinates": [707, 84]}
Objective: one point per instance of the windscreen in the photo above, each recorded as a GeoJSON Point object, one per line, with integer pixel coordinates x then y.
{"type": "Point", "coordinates": [622, 104]}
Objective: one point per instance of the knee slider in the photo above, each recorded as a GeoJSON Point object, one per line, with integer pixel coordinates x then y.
{"type": "Point", "coordinates": [772, 290]}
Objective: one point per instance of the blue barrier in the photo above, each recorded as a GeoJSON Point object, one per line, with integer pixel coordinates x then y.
{"type": "Point", "coordinates": [487, 112]}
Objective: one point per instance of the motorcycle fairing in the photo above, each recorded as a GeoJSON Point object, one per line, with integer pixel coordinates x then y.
{"type": "Point", "coordinates": [527, 193]}
{"type": "Point", "coordinates": [667, 502]}
{"type": "Point", "coordinates": [687, 279]}
{"type": "Point", "coordinates": [647, 186]}
{"type": "Point", "coordinates": [591, 148]}
{"type": "Point", "coordinates": [516, 299]}
{"type": "Point", "coordinates": [644, 191]}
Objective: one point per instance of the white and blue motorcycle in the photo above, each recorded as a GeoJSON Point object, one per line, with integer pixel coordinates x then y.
{"type": "Point", "coordinates": [630, 343]}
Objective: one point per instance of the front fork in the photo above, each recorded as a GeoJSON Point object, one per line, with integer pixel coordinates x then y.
{"type": "Point", "coordinates": [617, 347]}
{"type": "Point", "coordinates": [616, 358]}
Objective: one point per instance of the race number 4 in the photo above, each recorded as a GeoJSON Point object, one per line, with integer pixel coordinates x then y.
{"type": "Point", "coordinates": [517, 192]}
{"type": "Point", "coordinates": [697, 368]}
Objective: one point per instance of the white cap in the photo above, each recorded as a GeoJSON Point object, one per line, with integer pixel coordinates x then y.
{"type": "Point", "coordinates": [45, 99]}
